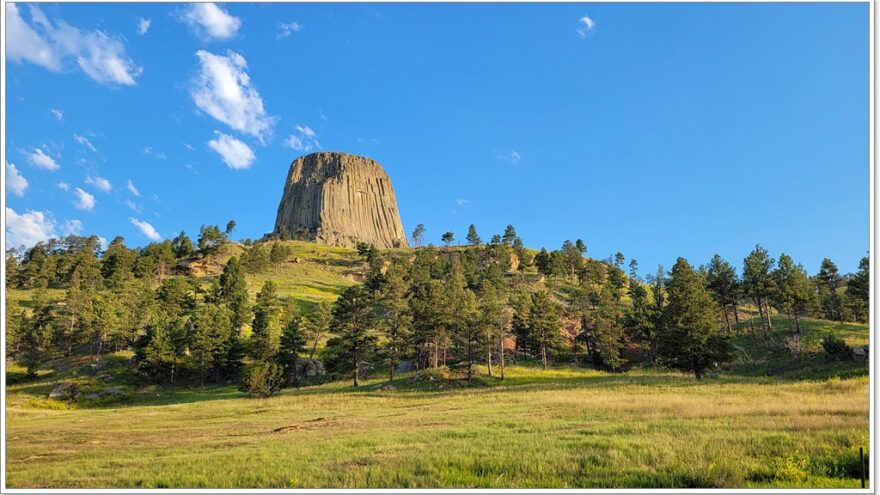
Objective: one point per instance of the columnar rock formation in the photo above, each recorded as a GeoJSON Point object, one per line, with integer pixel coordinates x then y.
{"type": "Point", "coordinates": [340, 199]}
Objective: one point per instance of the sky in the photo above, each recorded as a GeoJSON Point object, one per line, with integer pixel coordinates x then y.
{"type": "Point", "coordinates": [656, 130]}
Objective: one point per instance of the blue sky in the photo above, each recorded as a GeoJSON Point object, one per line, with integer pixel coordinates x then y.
{"type": "Point", "coordinates": [657, 130]}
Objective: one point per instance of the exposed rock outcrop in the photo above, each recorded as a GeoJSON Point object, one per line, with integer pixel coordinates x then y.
{"type": "Point", "coordinates": [340, 199]}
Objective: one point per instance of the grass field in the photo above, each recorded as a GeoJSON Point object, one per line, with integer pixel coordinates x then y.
{"type": "Point", "coordinates": [560, 428]}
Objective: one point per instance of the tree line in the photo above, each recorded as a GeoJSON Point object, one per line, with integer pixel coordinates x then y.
{"type": "Point", "coordinates": [429, 307]}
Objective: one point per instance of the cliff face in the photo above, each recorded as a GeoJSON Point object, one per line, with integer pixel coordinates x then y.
{"type": "Point", "coordinates": [340, 199]}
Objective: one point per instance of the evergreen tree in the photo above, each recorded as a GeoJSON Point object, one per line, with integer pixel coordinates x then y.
{"type": "Point", "coordinates": [182, 246]}
{"type": "Point", "coordinates": [209, 330]}
{"type": "Point", "coordinates": [758, 283]}
{"type": "Point", "coordinates": [522, 255]}
{"type": "Point", "coordinates": [395, 319]}
{"type": "Point", "coordinates": [267, 325]}
{"type": "Point", "coordinates": [572, 259]}
{"type": "Point", "coordinates": [544, 326]}
{"type": "Point", "coordinates": [509, 235]}
{"type": "Point", "coordinates": [858, 292]}
{"type": "Point", "coordinates": [317, 325]}
{"type": "Point", "coordinates": [472, 236]}
{"type": "Point", "coordinates": [37, 333]}
{"type": "Point", "coordinates": [233, 291]}
{"type": "Point", "coordinates": [690, 339]}
{"type": "Point", "coordinates": [793, 291]}
{"type": "Point", "coordinates": [608, 331]}
{"type": "Point", "coordinates": [544, 263]}
{"type": "Point", "coordinates": [829, 282]}
{"type": "Point", "coordinates": [352, 326]}
{"type": "Point", "coordinates": [448, 238]}
{"type": "Point", "coordinates": [117, 262]}
{"type": "Point", "coordinates": [418, 235]}
{"type": "Point", "coordinates": [724, 285]}
{"type": "Point", "coordinates": [230, 226]}
{"type": "Point", "coordinates": [210, 240]}
{"type": "Point", "coordinates": [579, 244]}
{"type": "Point", "coordinates": [293, 342]}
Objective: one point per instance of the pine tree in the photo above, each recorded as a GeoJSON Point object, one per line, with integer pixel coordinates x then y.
{"type": "Point", "coordinates": [758, 283]}
{"type": "Point", "coordinates": [724, 285]}
{"type": "Point", "coordinates": [829, 281]}
{"type": "Point", "coordinates": [544, 326]}
{"type": "Point", "coordinates": [472, 236]}
{"type": "Point", "coordinates": [293, 341]}
{"type": "Point", "coordinates": [418, 235]}
{"type": "Point", "coordinates": [209, 330]}
{"type": "Point", "coordinates": [182, 246]}
{"type": "Point", "coordinates": [267, 325]}
{"type": "Point", "coordinates": [509, 235]}
{"type": "Point", "coordinates": [317, 325]}
{"type": "Point", "coordinates": [858, 292]}
{"type": "Point", "coordinates": [395, 319]}
{"type": "Point", "coordinates": [689, 338]}
{"type": "Point", "coordinates": [233, 291]}
{"type": "Point", "coordinates": [352, 326]}
{"type": "Point", "coordinates": [608, 331]}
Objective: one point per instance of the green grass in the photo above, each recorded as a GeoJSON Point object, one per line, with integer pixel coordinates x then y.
{"type": "Point", "coordinates": [560, 428]}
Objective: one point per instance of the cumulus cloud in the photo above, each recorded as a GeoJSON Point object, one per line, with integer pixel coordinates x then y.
{"type": "Point", "coordinates": [234, 153]}
{"type": "Point", "coordinates": [100, 183]}
{"type": "Point", "coordinates": [224, 91]}
{"type": "Point", "coordinates": [28, 228]}
{"type": "Point", "coordinates": [40, 159]}
{"type": "Point", "coordinates": [159, 155]}
{"type": "Point", "coordinates": [285, 29]}
{"type": "Point", "coordinates": [57, 45]}
{"type": "Point", "coordinates": [585, 26]}
{"type": "Point", "coordinates": [133, 190]}
{"type": "Point", "coordinates": [15, 182]}
{"type": "Point", "coordinates": [305, 139]}
{"type": "Point", "coordinates": [64, 186]}
{"type": "Point", "coordinates": [24, 44]}
{"type": "Point", "coordinates": [146, 229]}
{"type": "Point", "coordinates": [59, 115]}
{"type": "Point", "coordinates": [83, 141]}
{"type": "Point", "coordinates": [143, 26]}
{"type": "Point", "coordinates": [134, 206]}
{"type": "Point", "coordinates": [85, 201]}
{"type": "Point", "coordinates": [211, 22]}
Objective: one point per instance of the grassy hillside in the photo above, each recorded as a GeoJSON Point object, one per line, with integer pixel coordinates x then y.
{"type": "Point", "coordinates": [560, 428]}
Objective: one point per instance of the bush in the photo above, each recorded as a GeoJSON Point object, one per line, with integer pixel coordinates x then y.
{"type": "Point", "coordinates": [834, 346]}
{"type": "Point", "coordinates": [791, 468]}
{"type": "Point", "coordinates": [264, 379]}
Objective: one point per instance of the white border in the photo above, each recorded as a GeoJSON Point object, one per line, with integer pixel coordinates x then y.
{"type": "Point", "coordinates": [873, 293]}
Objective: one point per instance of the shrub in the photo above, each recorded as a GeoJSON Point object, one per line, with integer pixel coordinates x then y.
{"type": "Point", "coordinates": [791, 468]}
{"type": "Point", "coordinates": [834, 346]}
{"type": "Point", "coordinates": [264, 379]}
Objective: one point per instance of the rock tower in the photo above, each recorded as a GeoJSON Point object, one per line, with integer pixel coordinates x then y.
{"type": "Point", "coordinates": [340, 199]}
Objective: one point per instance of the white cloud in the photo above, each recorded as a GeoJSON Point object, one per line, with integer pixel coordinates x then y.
{"type": "Point", "coordinates": [236, 154]}
{"type": "Point", "coordinates": [159, 155]}
{"type": "Point", "coordinates": [511, 156]}
{"type": "Point", "coordinates": [28, 228]}
{"type": "Point", "coordinates": [59, 115]}
{"type": "Point", "coordinates": [143, 26]}
{"type": "Point", "coordinates": [224, 91]}
{"type": "Point", "coordinates": [64, 186]}
{"type": "Point", "coordinates": [85, 142]}
{"type": "Point", "coordinates": [100, 183]}
{"type": "Point", "coordinates": [586, 26]}
{"type": "Point", "coordinates": [132, 189]}
{"type": "Point", "coordinates": [100, 56]}
{"type": "Point", "coordinates": [85, 201]}
{"type": "Point", "coordinates": [71, 227]}
{"type": "Point", "coordinates": [211, 22]}
{"type": "Point", "coordinates": [134, 206]}
{"type": "Point", "coordinates": [285, 29]}
{"type": "Point", "coordinates": [462, 201]}
{"type": "Point", "coordinates": [146, 229]}
{"type": "Point", "coordinates": [306, 140]}
{"type": "Point", "coordinates": [40, 159]}
{"type": "Point", "coordinates": [15, 182]}
{"type": "Point", "coordinates": [24, 44]}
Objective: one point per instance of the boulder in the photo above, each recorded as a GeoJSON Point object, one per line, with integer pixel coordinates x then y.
{"type": "Point", "coordinates": [860, 353]}
{"type": "Point", "coordinates": [63, 391]}
{"type": "Point", "coordinates": [309, 367]}
{"type": "Point", "coordinates": [340, 199]}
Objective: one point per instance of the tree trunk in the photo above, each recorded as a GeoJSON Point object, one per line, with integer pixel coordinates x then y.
{"type": "Point", "coordinates": [489, 359]}
{"type": "Point", "coordinates": [767, 309]}
{"type": "Point", "coordinates": [726, 318]}
{"type": "Point", "coordinates": [735, 313]}
{"type": "Point", "coordinates": [357, 370]}
{"type": "Point", "coordinates": [501, 353]}
{"type": "Point", "coordinates": [544, 356]}
{"type": "Point", "coordinates": [391, 370]}
{"type": "Point", "coordinates": [698, 374]}
{"type": "Point", "coordinates": [761, 313]}
{"type": "Point", "coordinates": [797, 322]}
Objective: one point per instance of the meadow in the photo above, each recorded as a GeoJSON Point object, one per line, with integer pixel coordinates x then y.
{"type": "Point", "coordinates": [565, 427]}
